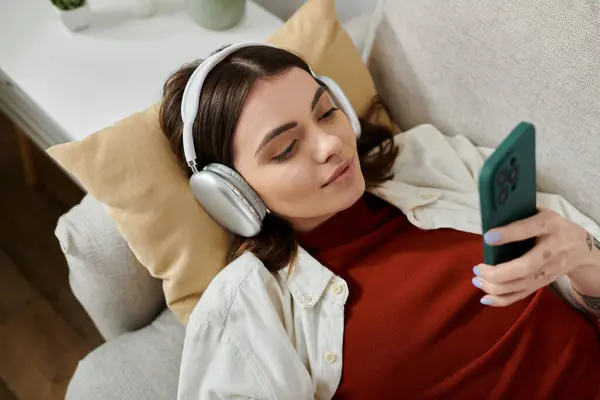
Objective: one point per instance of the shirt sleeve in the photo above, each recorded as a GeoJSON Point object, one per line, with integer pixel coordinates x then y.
{"type": "Point", "coordinates": [214, 366]}
{"type": "Point", "coordinates": [563, 286]}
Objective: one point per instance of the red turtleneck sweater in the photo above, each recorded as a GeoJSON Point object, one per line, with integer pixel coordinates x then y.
{"type": "Point", "coordinates": [415, 328]}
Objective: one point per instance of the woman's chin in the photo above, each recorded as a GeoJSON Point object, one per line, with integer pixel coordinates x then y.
{"type": "Point", "coordinates": [352, 192]}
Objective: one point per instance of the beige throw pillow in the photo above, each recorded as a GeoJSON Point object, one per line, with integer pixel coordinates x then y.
{"type": "Point", "coordinates": [129, 167]}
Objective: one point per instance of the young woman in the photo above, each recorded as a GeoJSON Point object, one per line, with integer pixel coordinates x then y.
{"type": "Point", "coordinates": [365, 280]}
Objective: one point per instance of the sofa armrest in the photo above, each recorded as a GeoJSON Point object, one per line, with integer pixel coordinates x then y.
{"type": "Point", "coordinates": [141, 365]}
{"type": "Point", "coordinates": [117, 292]}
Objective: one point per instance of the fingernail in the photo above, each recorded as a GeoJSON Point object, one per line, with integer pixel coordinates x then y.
{"type": "Point", "coordinates": [491, 237]}
{"type": "Point", "coordinates": [476, 271]}
{"type": "Point", "coordinates": [486, 301]}
{"type": "Point", "coordinates": [476, 282]}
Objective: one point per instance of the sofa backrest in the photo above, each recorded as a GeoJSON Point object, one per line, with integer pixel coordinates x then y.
{"type": "Point", "coordinates": [478, 67]}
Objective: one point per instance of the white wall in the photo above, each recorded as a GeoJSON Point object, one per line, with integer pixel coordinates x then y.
{"type": "Point", "coordinates": [347, 9]}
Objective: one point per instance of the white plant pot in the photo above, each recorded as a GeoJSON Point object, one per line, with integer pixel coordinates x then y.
{"type": "Point", "coordinates": [77, 19]}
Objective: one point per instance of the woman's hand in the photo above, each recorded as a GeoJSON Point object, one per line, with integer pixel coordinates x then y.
{"type": "Point", "coordinates": [562, 247]}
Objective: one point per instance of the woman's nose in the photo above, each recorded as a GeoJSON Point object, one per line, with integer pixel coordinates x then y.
{"type": "Point", "coordinates": [327, 145]}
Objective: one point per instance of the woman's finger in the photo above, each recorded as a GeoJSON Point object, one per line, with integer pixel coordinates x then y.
{"type": "Point", "coordinates": [532, 264]}
{"type": "Point", "coordinates": [541, 224]}
{"type": "Point", "coordinates": [500, 289]}
{"type": "Point", "coordinates": [507, 299]}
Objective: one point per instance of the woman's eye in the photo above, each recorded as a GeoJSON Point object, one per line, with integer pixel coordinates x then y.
{"type": "Point", "coordinates": [286, 153]}
{"type": "Point", "coordinates": [328, 114]}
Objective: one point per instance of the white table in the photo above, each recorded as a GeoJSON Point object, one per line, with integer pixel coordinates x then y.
{"type": "Point", "coordinates": [60, 86]}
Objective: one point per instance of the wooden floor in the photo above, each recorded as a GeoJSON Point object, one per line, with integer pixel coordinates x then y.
{"type": "Point", "coordinates": [43, 329]}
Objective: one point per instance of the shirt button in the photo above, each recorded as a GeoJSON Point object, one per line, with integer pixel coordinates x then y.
{"type": "Point", "coordinates": [426, 196]}
{"type": "Point", "coordinates": [330, 358]}
{"type": "Point", "coordinates": [337, 288]}
{"type": "Point", "coordinates": [306, 299]}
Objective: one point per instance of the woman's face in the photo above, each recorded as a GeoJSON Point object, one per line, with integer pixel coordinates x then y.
{"type": "Point", "coordinates": [297, 150]}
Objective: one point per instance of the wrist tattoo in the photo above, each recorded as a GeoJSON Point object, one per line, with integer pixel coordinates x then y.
{"type": "Point", "coordinates": [592, 302]}
{"type": "Point", "coordinates": [592, 242]}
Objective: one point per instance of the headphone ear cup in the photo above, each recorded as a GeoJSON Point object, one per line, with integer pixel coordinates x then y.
{"type": "Point", "coordinates": [241, 185]}
{"type": "Point", "coordinates": [342, 102]}
{"type": "Point", "coordinates": [228, 199]}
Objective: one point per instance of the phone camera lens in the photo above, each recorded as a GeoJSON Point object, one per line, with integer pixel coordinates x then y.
{"type": "Point", "coordinates": [501, 177]}
{"type": "Point", "coordinates": [502, 196]}
{"type": "Point", "coordinates": [512, 175]}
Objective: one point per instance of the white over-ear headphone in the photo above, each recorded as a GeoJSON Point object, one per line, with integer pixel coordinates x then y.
{"type": "Point", "coordinates": [224, 193]}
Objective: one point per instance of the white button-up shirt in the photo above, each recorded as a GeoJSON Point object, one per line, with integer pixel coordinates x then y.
{"type": "Point", "coordinates": [258, 335]}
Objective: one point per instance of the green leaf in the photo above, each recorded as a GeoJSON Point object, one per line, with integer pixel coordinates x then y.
{"type": "Point", "coordinates": [67, 5]}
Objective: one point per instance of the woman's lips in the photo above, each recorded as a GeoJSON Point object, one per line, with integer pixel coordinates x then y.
{"type": "Point", "coordinates": [341, 172]}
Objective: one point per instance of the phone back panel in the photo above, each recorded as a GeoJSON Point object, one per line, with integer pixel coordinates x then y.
{"type": "Point", "coordinates": [507, 190]}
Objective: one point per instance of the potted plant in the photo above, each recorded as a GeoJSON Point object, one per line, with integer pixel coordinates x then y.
{"type": "Point", "coordinates": [216, 14]}
{"type": "Point", "coordinates": [75, 14]}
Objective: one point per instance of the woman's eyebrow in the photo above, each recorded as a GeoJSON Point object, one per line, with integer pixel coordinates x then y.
{"type": "Point", "coordinates": [273, 133]}
{"type": "Point", "coordinates": [318, 94]}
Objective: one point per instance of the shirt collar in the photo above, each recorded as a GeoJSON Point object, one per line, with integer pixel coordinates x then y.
{"type": "Point", "coordinates": [406, 197]}
{"type": "Point", "coordinates": [307, 280]}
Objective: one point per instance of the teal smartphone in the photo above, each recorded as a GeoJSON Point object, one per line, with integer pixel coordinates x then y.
{"type": "Point", "coordinates": [507, 191]}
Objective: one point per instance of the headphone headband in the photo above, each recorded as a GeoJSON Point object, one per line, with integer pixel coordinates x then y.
{"type": "Point", "coordinates": [191, 97]}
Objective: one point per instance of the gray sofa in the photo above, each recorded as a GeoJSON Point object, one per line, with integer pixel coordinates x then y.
{"type": "Point", "coordinates": [472, 67]}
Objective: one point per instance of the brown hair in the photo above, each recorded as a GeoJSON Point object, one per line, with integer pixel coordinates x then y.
{"type": "Point", "coordinates": [223, 95]}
